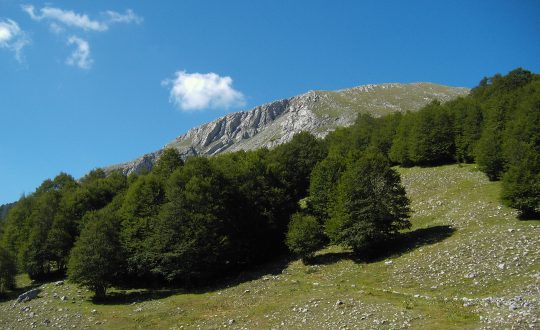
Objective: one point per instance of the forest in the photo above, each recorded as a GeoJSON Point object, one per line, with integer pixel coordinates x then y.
{"type": "Point", "coordinates": [187, 222]}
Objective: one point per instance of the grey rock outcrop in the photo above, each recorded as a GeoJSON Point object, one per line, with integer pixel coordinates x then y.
{"type": "Point", "coordinates": [318, 112]}
{"type": "Point", "coordinates": [29, 295]}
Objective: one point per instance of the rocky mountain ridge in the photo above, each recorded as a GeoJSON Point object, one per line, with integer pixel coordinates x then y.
{"type": "Point", "coordinates": [318, 112]}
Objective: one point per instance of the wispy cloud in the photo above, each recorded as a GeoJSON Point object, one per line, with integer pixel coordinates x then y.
{"type": "Point", "coordinates": [12, 37]}
{"type": "Point", "coordinates": [72, 19]}
{"type": "Point", "coordinates": [198, 91]}
{"type": "Point", "coordinates": [66, 17]}
{"type": "Point", "coordinates": [81, 55]}
{"type": "Point", "coordinates": [128, 17]}
{"type": "Point", "coordinates": [65, 21]}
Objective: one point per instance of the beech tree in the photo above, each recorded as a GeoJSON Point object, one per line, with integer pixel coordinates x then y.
{"type": "Point", "coordinates": [96, 260]}
{"type": "Point", "coordinates": [8, 271]}
{"type": "Point", "coordinates": [305, 236]}
{"type": "Point", "coordinates": [371, 204]}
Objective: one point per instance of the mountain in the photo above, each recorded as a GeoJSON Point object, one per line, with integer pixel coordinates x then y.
{"type": "Point", "coordinates": [318, 112]}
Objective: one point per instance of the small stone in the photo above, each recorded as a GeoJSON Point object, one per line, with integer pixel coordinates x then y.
{"type": "Point", "coordinates": [57, 283]}
{"type": "Point", "coordinates": [246, 291]}
{"type": "Point", "coordinates": [501, 266]}
{"type": "Point", "coordinates": [63, 298]}
{"type": "Point", "coordinates": [231, 321]}
{"type": "Point", "coordinates": [93, 311]}
{"type": "Point", "coordinates": [339, 303]}
{"type": "Point", "coordinates": [389, 262]}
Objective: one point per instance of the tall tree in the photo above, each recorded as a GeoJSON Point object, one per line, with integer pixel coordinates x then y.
{"type": "Point", "coordinates": [8, 270]}
{"type": "Point", "coordinates": [96, 259]}
{"type": "Point", "coordinates": [371, 206]}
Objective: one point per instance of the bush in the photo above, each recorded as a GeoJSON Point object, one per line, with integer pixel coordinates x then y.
{"type": "Point", "coordinates": [305, 236]}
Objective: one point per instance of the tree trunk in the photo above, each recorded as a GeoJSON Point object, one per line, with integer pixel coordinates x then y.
{"type": "Point", "coordinates": [100, 291]}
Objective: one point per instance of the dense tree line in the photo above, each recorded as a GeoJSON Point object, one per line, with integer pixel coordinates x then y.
{"type": "Point", "coordinates": [497, 126]}
{"type": "Point", "coordinates": [186, 222]}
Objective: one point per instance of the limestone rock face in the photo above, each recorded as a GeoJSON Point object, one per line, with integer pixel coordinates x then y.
{"type": "Point", "coordinates": [318, 112]}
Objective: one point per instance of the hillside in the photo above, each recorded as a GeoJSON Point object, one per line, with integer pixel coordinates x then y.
{"type": "Point", "coordinates": [318, 112]}
{"type": "Point", "coordinates": [467, 263]}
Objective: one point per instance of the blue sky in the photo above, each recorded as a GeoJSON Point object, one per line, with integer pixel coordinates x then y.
{"type": "Point", "coordinates": [85, 84]}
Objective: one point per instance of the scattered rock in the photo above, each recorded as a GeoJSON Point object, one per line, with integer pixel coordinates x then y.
{"type": "Point", "coordinates": [29, 295]}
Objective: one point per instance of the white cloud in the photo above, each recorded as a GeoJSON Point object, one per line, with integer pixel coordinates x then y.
{"type": "Point", "coordinates": [12, 37]}
{"type": "Point", "coordinates": [128, 17]}
{"type": "Point", "coordinates": [66, 17]}
{"type": "Point", "coordinates": [198, 91]}
{"type": "Point", "coordinates": [64, 21]}
{"type": "Point", "coordinates": [72, 19]}
{"type": "Point", "coordinates": [81, 55]}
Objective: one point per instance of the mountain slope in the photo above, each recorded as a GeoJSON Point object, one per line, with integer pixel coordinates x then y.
{"type": "Point", "coordinates": [318, 112]}
{"type": "Point", "coordinates": [469, 263]}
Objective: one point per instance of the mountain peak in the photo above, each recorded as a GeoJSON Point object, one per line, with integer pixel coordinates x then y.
{"type": "Point", "coordinates": [318, 112]}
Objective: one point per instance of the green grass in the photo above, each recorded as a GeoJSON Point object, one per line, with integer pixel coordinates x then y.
{"type": "Point", "coordinates": [459, 228]}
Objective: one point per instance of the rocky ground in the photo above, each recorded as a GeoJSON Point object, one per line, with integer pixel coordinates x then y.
{"type": "Point", "coordinates": [467, 263]}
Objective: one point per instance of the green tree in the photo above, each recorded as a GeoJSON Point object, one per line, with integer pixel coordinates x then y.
{"type": "Point", "coordinates": [521, 182]}
{"type": "Point", "coordinates": [323, 186]}
{"type": "Point", "coordinates": [8, 270]}
{"type": "Point", "coordinates": [468, 121]}
{"type": "Point", "coordinates": [399, 153]}
{"type": "Point", "coordinates": [293, 162]}
{"type": "Point", "coordinates": [167, 163]}
{"type": "Point", "coordinates": [305, 236]}
{"type": "Point", "coordinates": [521, 185]}
{"type": "Point", "coordinates": [371, 205]}
{"type": "Point", "coordinates": [96, 260]}
{"type": "Point", "coordinates": [191, 237]}
{"type": "Point", "coordinates": [431, 140]}
{"type": "Point", "coordinates": [139, 213]}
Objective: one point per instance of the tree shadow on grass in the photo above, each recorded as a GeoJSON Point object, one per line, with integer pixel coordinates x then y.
{"type": "Point", "coordinates": [15, 293]}
{"type": "Point", "coordinates": [403, 243]}
{"type": "Point", "coordinates": [528, 216]}
{"type": "Point", "coordinates": [126, 296]}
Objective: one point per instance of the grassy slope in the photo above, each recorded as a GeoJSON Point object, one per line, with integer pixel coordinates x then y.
{"type": "Point", "coordinates": [470, 264]}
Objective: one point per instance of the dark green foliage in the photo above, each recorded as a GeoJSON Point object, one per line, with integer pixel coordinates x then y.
{"type": "Point", "coordinates": [400, 152]}
{"type": "Point", "coordinates": [305, 236]}
{"type": "Point", "coordinates": [371, 206]}
{"type": "Point", "coordinates": [8, 270]}
{"type": "Point", "coordinates": [17, 229]}
{"type": "Point", "coordinates": [191, 238]}
{"type": "Point", "coordinates": [431, 139]}
{"type": "Point", "coordinates": [468, 120]}
{"type": "Point", "coordinates": [169, 161]}
{"type": "Point", "coordinates": [96, 259]}
{"type": "Point", "coordinates": [139, 213]}
{"type": "Point", "coordinates": [489, 153]}
{"type": "Point", "coordinates": [4, 209]}
{"type": "Point", "coordinates": [323, 186]}
{"type": "Point", "coordinates": [521, 183]}
{"type": "Point", "coordinates": [258, 207]}
{"type": "Point", "coordinates": [292, 163]}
